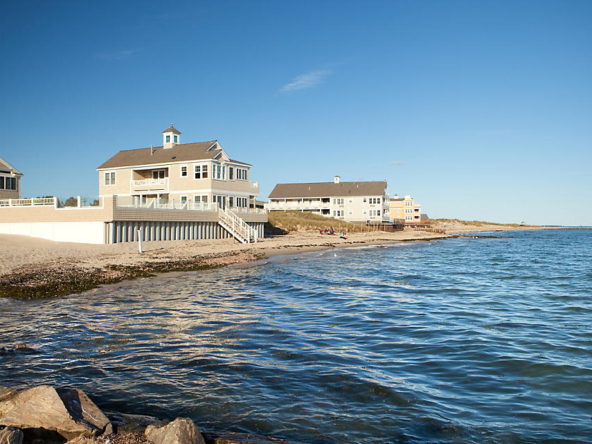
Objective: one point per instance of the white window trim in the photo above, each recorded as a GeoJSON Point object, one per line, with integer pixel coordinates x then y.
{"type": "Point", "coordinates": [181, 170]}
{"type": "Point", "coordinates": [201, 171]}
{"type": "Point", "coordinates": [112, 178]}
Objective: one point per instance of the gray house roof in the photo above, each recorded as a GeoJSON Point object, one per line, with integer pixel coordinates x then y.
{"type": "Point", "coordinates": [327, 189]}
{"type": "Point", "coordinates": [5, 167]}
{"type": "Point", "coordinates": [187, 152]}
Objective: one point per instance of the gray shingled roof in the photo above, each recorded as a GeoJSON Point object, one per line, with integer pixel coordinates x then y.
{"type": "Point", "coordinates": [327, 189]}
{"type": "Point", "coordinates": [5, 167]}
{"type": "Point", "coordinates": [187, 152]}
{"type": "Point", "coordinates": [173, 129]}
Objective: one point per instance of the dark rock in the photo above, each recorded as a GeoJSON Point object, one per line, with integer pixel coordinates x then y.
{"type": "Point", "coordinates": [125, 423]}
{"type": "Point", "coordinates": [180, 431]}
{"type": "Point", "coordinates": [10, 435]}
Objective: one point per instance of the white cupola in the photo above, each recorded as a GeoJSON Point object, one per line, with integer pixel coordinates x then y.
{"type": "Point", "coordinates": [171, 137]}
{"type": "Point", "coordinates": [336, 179]}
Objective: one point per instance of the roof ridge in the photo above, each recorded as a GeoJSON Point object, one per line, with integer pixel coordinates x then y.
{"type": "Point", "coordinates": [160, 146]}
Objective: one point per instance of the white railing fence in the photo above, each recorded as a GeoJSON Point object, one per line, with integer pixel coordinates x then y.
{"type": "Point", "coordinates": [34, 202]}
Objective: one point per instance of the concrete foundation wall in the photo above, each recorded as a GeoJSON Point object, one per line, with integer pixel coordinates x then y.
{"type": "Point", "coordinates": [79, 232]}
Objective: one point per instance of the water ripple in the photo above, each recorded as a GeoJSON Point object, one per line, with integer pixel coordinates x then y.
{"type": "Point", "coordinates": [460, 341]}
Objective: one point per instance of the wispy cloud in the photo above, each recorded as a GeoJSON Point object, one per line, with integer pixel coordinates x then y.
{"type": "Point", "coordinates": [116, 55]}
{"type": "Point", "coordinates": [397, 163]}
{"type": "Point", "coordinates": [305, 81]}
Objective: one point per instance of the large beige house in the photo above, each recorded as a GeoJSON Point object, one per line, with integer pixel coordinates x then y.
{"type": "Point", "coordinates": [198, 173]}
{"type": "Point", "coordinates": [349, 201]}
{"type": "Point", "coordinates": [173, 192]}
{"type": "Point", "coordinates": [10, 181]}
{"type": "Point", "coordinates": [405, 208]}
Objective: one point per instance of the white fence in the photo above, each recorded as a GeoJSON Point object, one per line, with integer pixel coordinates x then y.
{"type": "Point", "coordinates": [163, 204]}
{"type": "Point", "coordinates": [35, 202]}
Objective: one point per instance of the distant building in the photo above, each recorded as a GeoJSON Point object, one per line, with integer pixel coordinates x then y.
{"type": "Point", "coordinates": [404, 208]}
{"type": "Point", "coordinates": [349, 201]}
{"type": "Point", "coordinates": [10, 181]}
{"type": "Point", "coordinates": [199, 173]}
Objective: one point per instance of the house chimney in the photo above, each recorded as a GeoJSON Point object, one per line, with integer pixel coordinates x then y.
{"type": "Point", "coordinates": [336, 179]}
{"type": "Point", "coordinates": [151, 150]}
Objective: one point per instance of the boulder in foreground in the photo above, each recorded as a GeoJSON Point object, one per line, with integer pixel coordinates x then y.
{"type": "Point", "coordinates": [45, 412]}
{"type": "Point", "coordinates": [180, 431]}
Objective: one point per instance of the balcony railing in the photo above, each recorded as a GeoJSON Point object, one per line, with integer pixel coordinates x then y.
{"type": "Point", "coordinates": [163, 204]}
{"type": "Point", "coordinates": [151, 183]}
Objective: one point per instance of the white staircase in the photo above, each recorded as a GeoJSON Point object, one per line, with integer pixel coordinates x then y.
{"type": "Point", "coordinates": [237, 227]}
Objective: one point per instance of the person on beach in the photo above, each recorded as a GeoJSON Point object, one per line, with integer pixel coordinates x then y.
{"type": "Point", "coordinates": [342, 236]}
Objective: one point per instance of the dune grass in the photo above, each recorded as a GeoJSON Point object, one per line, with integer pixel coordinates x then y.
{"type": "Point", "coordinates": [306, 221]}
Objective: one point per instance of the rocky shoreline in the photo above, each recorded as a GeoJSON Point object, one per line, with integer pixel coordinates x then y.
{"type": "Point", "coordinates": [54, 280]}
{"type": "Point", "coordinates": [48, 415]}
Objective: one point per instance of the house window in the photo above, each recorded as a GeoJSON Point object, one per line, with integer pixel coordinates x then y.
{"type": "Point", "coordinates": [408, 217]}
{"type": "Point", "coordinates": [364, 200]}
{"type": "Point", "coordinates": [408, 203]}
{"type": "Point", "coordinates": [338, 201]}
{"type": "Point", "coordinates": [201, 172]}
{"type": "Point", "coordinates": [183, 200]}
{"type": "Point", "coordinates": [110, 178]}
{"type": "Point", "coordinates": [408, 210]}
{"type": "Point", "coordinates": [184, 171]}
{"type": "Point", "coordinates": [241, 174]}
{"type": "Point", "coordinates": [8, 183]}
{"type": "Point", "coordinates": [242, 202]}
{"type": "Point", "coordinates": [200, 199]}
{"type": "Point", "coordinates": [168, 139]}
{"type": "Point", "coordinates": [374, 200]}
{"type": "Point", "coordinates": [175, 138]}
{"type": "Point", "coordinates": [159, 174]}
{"type": "Point", "coordinates": [231, 201]}
{"type": "Point", "coordinates": [230, 174]}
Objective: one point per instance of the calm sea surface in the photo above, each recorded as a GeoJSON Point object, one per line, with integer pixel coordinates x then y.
{"type": "Point", "coordinates": [463, 340]}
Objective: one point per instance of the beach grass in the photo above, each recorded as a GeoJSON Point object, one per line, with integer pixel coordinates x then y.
{"type": "Point", "coordinates": [294, 221]}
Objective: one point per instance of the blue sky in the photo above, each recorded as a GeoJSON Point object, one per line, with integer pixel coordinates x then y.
{"type": "Point", "coordinates": [479, 110]}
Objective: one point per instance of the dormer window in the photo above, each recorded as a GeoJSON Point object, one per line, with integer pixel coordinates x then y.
{"type": "Point", "coordinates": [168, 139]}
{"type": "Point", "coordinates": [176, 138]}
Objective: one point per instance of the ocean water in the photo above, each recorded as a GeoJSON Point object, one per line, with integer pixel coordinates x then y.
{"type": "Point", "coordinates": [465, 340]}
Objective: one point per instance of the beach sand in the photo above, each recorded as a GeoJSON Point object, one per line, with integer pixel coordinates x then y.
{"type": "Point", "coordinates": [25, 252]}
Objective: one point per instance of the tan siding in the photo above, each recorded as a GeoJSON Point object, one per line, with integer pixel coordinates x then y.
{"type": "Point", "coordinates": [10, 194]}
